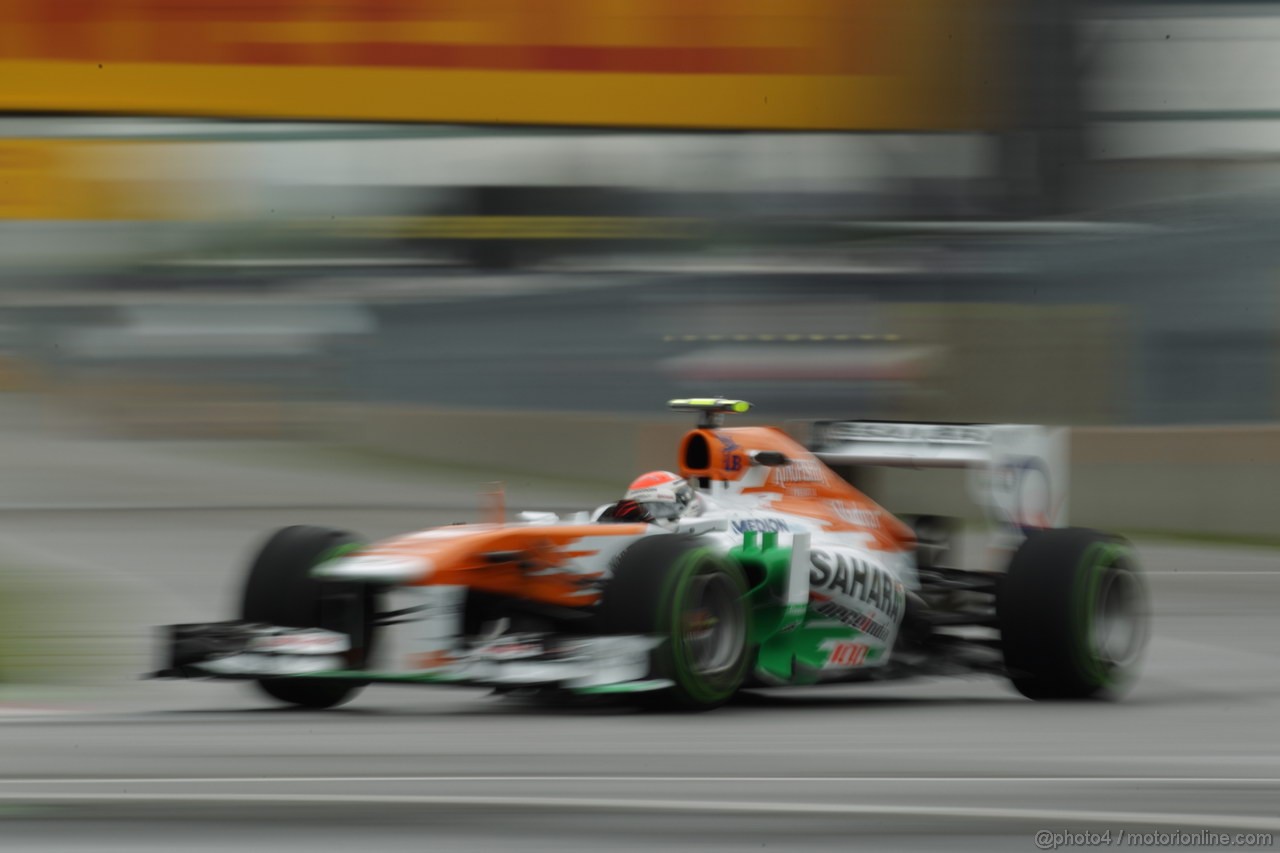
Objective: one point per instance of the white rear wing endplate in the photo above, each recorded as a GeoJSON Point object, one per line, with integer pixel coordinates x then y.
{"type": "Point", "coordinates": [1018, 473]}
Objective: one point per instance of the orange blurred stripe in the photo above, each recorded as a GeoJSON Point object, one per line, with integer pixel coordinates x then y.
{"type": "Point", "coordinates": [799, 64]}
{"type": "Point", "coordinates": [665, 36]}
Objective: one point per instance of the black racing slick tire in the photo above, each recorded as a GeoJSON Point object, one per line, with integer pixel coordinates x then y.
{"type": "Point", "coordinates": [1074, 615]}
{"type": "Point", "coordinates": [674, 588]}
{"type": "Point", "coordinates": [279, 590]}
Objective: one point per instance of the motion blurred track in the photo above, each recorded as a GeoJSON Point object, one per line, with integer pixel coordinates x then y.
{"type": "Point", "coordinates": [935, 765]}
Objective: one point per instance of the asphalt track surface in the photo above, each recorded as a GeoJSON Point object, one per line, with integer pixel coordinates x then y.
{"type": "Point", "coordinates": [120, 764]}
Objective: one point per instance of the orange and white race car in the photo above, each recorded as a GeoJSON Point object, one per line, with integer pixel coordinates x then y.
{"type": "Point", "coordinates": [757, 565]}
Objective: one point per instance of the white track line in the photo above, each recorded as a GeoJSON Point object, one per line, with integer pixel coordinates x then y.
{"type": "Point", "coordinates": [1181, 821]}
{"type": "Point", "coordinates": [879, 780]}
{"type": "Point", "coordinates": [1208, 572]}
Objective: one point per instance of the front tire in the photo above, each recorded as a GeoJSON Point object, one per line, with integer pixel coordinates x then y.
{"type": "Point", "coordinates": [280, 591]}
{"type": "Point", "coordinates": [1074, 614]}
{"type": "Point", "coordinates": [671, 586]}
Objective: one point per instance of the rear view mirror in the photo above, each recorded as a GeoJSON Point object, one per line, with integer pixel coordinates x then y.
{"type": "Point", "coordinates": [770, 458]}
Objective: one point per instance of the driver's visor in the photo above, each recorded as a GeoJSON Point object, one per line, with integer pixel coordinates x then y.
{"type": "Point", "coordinates": [662, 509]}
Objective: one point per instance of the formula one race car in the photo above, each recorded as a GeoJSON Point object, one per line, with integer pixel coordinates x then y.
{"type": "Point", "coordinates": [756, 566]}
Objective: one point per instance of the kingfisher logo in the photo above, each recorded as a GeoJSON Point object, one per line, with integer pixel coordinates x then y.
{"type": "Point", "coordinates": [801, 471]}
{"type": "Point", "coordinates": [729, 444]}
{"type": "Point", "coordinates": [732, 457]}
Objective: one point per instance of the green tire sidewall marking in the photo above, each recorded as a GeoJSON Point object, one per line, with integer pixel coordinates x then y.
{"type": "Point", "coordinates": [671, 605]}
{"type": "Point", "coordinates": [1098, 559]}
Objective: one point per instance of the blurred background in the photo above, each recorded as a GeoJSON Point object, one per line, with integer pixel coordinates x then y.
{"type": "Point", "coordinates": [349, 262]}
{"type": "Point", "coordinates": [496, 235]}
{"type": "Point", "coordinates": [353, 221]}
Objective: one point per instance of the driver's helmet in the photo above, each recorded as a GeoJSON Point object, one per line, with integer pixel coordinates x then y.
{"type": "Point", "coordinates": [666, 496]}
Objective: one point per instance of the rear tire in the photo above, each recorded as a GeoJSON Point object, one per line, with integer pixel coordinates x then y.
{"type": "Point", "coordinates": [1073, 613]}
{"type": "Point", "coordinates": [671, 587]}
{"type": "Point", "coordinates": [280, 591]}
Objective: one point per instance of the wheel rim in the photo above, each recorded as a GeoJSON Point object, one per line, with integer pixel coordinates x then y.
{"type": "Point", "coordinates": [714, 625]}
{"type": "Point", "coordinates": [1119, 619]}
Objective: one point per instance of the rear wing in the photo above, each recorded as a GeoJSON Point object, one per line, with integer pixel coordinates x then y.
{"type": "Point", "coordinates": [1017, 473]}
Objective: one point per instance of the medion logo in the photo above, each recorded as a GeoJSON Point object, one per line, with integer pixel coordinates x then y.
{"type": "Point", "coordinates": [761, 525]}
{"type": "Point", "coordinates": [857, 579]}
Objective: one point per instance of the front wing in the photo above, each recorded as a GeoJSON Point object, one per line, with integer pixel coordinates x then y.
{"type": "Point", "coordinates": [246, 650]}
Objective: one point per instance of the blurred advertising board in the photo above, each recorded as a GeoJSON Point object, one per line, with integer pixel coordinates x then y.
{"type": "Point", "coordinates": [711, 64]}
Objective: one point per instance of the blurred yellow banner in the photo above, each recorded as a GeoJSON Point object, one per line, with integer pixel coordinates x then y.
{"type": "Point", "coordinates": [87, 179]}
{"type": "Point", "coordinates": [766, 64]}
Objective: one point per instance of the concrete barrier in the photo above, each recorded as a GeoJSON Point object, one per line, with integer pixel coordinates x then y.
{"type": "Point", "coordinates": [1201, 480]}
{"type": "Point", "coordinates": [1222, 481]}
{"type": "Point", "coordinates": [582, 446]}
{"type": "Point", "coordinates": [1217, 480]}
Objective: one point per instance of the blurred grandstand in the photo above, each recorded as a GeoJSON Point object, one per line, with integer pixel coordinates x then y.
{"type": "Point", "coordinates": [918, 209]}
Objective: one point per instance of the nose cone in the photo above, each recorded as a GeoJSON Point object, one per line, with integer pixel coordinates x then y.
{"type": "Point", "coordinates": [397, 569]}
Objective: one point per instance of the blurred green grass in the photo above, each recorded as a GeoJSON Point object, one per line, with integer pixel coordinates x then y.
{"type": "Point", "coordinates": [58, 626]}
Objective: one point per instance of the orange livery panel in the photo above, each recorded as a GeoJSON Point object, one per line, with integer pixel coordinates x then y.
{"type": "Point", "coordinates": [802, 486]}
{"type": "Point", "coordinates": [547, 563]}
